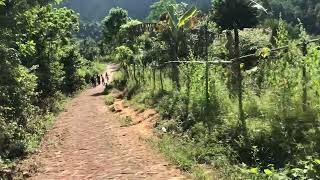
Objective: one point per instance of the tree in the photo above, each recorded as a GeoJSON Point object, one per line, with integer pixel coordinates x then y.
{"type": "Point", "coordinates": [9, 9]}
{"type": "Point", "coordinates": [129, 37]}
{"type": "Point", "coordinates": [17, 112]}
{"type": "Point", "coordinates": [127, 33]}
{"type": "Point", "coordinates": [72, 64]}
{"type": "Point", "coordinates": [243, 15]}
{"type": "Point", "coordinates": [90, 30]}
{"type": "Point", "coordinates": [159, 8]}
{"type": "Point", "coordinates": [89, 48]}
{"type": "Point", "coordinates": [307, 11]}
{"type": "Point", "coordinates": [124, 56]}
{"type": "Point", "coordinates": [39, 60]}
{"type": "Point", "coordinates": [173, 24]}
{"type": "Point", "coordinates": [236, 14]}
{"type": "Point", "coordinates": [50, 30]}
{"type": "Point", "coordinates": [112, 25]}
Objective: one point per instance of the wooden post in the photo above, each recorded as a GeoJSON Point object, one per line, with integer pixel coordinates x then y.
{"type": "Point", "coordinates": [207, 87]}
{"type": "Point", "coordinates": [304, 78]}
{"type": "Point", "coordinates": [239, 82]}
{"type": "Point", "coordinates": [175, 67]}
{"type": "Point", "coordinates": [188, 84]}
{"type": "Point", "coordinates": [154, 78]}
{"type": "Point", "coordinates": [206, 40]}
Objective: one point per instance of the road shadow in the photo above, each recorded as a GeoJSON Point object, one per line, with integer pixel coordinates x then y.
{"type": "Point", "coordinates": [99, 94]}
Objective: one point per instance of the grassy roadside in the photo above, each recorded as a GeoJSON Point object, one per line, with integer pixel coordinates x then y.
{"type": "Point", "coordinates": [189, 141]}
{"type": "Point", "coordinates": [201, 157]}
{"type": "Point", "coordinates": [47, 122]}
{"type": "Point", "coordinates": [181, 154]}
{"type": "Point", "coordinates": [190, 157]}
{"type": "Point", "coordinates": [174, 149]}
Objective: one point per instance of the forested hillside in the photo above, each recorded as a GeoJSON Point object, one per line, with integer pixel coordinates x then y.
{"type": "Point", "coordinates": [308, 11]}
{"type": "Point", "coordinates": [95, 10]}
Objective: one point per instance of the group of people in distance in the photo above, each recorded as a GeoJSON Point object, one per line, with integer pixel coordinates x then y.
{"type": "Point", "coordinates": [97, 80]}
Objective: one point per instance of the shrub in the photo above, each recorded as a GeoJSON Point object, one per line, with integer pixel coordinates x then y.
{"type": "Point", "coordinates": [119, 80]}
{"type": "Point", "coordinates": [109, 100]}
{"type": "Point", "coordinates": [17, 112]}
{"type": "Point", "coordinates": [74, 78]}
{"type": "Point", "coordinates": [306, 169]}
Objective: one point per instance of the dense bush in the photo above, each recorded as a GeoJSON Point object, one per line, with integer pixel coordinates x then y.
{"type": "Point", "coordinates": [109, 100]}
{"type": "Point", "coordinates": [17, 112]}
{"type": "Point", "coordinates": [40, 65]}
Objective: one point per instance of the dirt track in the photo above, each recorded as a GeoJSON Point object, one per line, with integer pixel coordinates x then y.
{"type": "Point", "coordinates": [88, 142]}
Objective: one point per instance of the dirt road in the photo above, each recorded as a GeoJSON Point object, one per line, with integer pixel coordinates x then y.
{"type": "Point", "coordinates": [88, 142]}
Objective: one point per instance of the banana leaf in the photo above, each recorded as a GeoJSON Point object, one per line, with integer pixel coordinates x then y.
{"type": "Point", "coordinates": [187, 16]}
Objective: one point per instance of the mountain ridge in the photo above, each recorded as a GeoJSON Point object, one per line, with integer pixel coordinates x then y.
{"type": "Point", "coordinates": [96, 10]}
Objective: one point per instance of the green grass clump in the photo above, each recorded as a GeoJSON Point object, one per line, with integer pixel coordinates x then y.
{"type": "Point", "coordinates": [176, 151]}
{"type": "Point", "coordinates": [126, 122]}
{"type": "Point", "coordinates": [137, 106]}
{"type": "Point", "coordinates": [183, 154]}
{"type": "Point", "coordinates": [109, 100]}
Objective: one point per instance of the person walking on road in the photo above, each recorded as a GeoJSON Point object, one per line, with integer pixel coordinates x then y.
{"type": "Point", "coordinates": [98, 79]}
{"type": "Point", "coordinates": [102, 80]}
{"type": "Point", "coordinates": [93, 81]}
{"type": "Point", "coordinates": [107, 77]}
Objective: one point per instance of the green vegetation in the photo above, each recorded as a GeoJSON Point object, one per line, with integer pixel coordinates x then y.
{"type": "Point", "coordinates": [251, 117]}
{"type": "Point", "coordinates": [295, 10]}
{"type": "Point", "coordinates": [109, 100]}
{"type": "Point", "coordinates": [41, 66]}
{"type": "Point", "coordinates": [94, 11]}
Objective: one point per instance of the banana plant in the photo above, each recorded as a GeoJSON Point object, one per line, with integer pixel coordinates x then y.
{"type": "Point", "coordinates": [176, 27]}
{"type": "Point", "coordinates": [173, 24]}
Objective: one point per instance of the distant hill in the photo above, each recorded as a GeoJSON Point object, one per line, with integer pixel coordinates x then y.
{"type": "Point", "coordinates": [96, 10]}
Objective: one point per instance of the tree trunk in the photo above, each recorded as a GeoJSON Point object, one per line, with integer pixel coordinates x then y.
{"type": "Point", "coordinates": [126, 72]}
{"type": "Point", "coordinates": [207, 87]}
{"type": "Point", "coordinates": [206, 38]}
{"type": "Point", "coordinates": [188, 85]}
{"type": "Point", "coordinates": [175, 68]}
{"type": "Point", "coordinates": [175, 76]}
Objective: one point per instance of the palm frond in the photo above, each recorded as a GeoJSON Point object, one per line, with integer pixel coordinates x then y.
{"type": "Point", "coordinates": [258, 6]}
